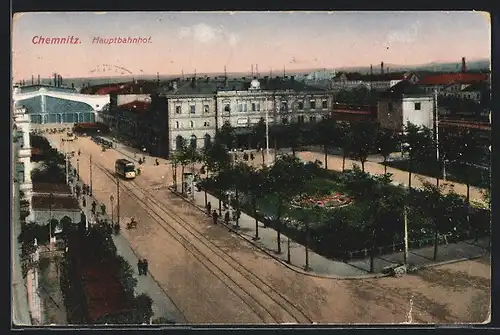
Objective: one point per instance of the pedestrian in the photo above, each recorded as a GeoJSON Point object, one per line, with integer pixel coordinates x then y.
{"type": "Point", "coordinates": [226, 218]}
{"type": "Point", "coordinates": [215, 216]}
{"type": "Point", "coordinates": [156, 162]}
{"type": "Point", "coordinates": [84, 202]}
{"type": "Point", "coordinates": [209, 208]}
{"type": "Point", "coordinates": [140, 266]}
{"type": "Point", "coordinates": [145, 267]}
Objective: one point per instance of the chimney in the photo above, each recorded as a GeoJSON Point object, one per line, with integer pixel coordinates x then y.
{"type": "Point", "coordinates": [266, 79]}
{"type": "Point", "coordinates": [257, 70]}
{"type": "Point", "coordinates": [226, 82]}
{"type": "Point", "coordinates": [193, 82]}
{"type": "Point", "coordinates": [464, 66]}
{"type": "Point", "coordinates": [252, 70]}
{"type": "Point", "coordinates": [38, 79]}
{"type": "Point", "coordinates": [32, 79]}
{"type": "Point", "coordinates": [382, 68]}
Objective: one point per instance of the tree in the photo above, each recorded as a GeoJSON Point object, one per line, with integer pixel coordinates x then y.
{"type": "Point", "coordinates": [294, 133]}
{"type": "Point", "coordinates": [345, 139]}
{"type": "Point", "coordinates": [325, 131]}
{"type": "Point", "coordinates": [387, 143]}
{"type": "Point", "coordinates": [433, 206]}
{"type": "Point", "coordinates": [287, 177]}
{"type": "Point", "coordinates": [364, 136]}
{"type": "Point", "coordinates": [259, 136]}
{"type": "Point", "coordinates": [416, 143]}
{"type": "Point", "coordinates": [225, 136]}
{"type": "Point", "coordinates": [469, 153]}
{"type": "Point", "coordinates": [254, 184]}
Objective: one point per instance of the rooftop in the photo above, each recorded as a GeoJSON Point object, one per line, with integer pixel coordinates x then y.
{"type": "Point", "coordinates": [450, 78]}
{"type": "Point", "coordinates": [404, 88]}
{"type": "Point", "coordinates": [34, 88]}
{"type": "Point", "coordinates": [477, 86]}
{"type": "Point", "coordinates": [356, 76]}
{"type": "Point", "coordinates": [45, 202]}
{"type": "Point", "coordinates": [51, 188]}
{"type": "Point", "coordinates": [208, 86]}
{"type": "Point", "coordinates": [136, 106]}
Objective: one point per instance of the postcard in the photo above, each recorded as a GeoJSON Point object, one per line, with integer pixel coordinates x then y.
{"type": "Point", "coordinates": [251, 168]}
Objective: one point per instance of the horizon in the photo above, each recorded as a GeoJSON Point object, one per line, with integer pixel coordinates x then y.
{"type": "Point", "coordinates": [205, 43]}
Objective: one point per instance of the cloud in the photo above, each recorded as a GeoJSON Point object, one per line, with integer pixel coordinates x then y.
{"type": "Point", "coordinates": [205, 33]}
{"type": "Point", "coordinates": [408, 35]}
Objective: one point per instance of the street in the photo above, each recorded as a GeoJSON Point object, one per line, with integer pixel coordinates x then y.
{"type": "Point", "coordinates": [215, 277]}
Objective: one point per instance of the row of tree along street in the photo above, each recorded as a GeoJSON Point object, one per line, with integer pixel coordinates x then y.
{"type": "Point", "coordinates": [373, 223]}
{"type": "Point", "coordinates": [103, 265]}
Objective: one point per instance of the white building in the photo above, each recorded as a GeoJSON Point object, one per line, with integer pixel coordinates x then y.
{"type": "Point", "coordinates": [404, 103]}
{"type": "Point", "coordinates": [22, 123]}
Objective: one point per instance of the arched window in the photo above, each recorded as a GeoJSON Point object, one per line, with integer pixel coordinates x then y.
{"type": "Point", "coordinates": [179, 142]}
{"type": "Point", "coordinates": [176, 124]}
{"type": "Point", "coordinates": [192, 142]}
{"type": "Point", "coordinates": [207, 141]}
{"type": "Point", "coordinates": [191, 124]}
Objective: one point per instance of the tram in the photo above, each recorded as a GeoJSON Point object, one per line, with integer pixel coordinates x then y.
{"type": "Point", "coordinates": [125, 169]}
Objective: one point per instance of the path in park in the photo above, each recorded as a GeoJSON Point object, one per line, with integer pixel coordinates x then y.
{"type": "Point", "coordinates": [327, 267]}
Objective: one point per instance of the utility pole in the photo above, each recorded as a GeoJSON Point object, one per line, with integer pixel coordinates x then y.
{"type": "Point", "coordinates": [90, 156]}
{"type": "Point", "coordinates": [267, 130]}
{"type": "Point", "coordinates": [405, 213]}
{"type": "Point", "coordinates": [117, 200]}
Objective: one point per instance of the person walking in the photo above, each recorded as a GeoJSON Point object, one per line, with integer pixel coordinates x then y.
{"type": "Point", "coordinates": [209, 208]}
{"type": "Point", "coordinates": [226, 218]}
{"type": "Point", "coordinates": [140, 266]}
{"type": "Point", "coordinates": [145, 267]}
{"type": "Point", "coordinates": [215, 216]}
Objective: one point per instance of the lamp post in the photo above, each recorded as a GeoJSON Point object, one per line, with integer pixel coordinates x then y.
{"type": "Point", "coordinates": [90, 165]}
{"type": "Point", "coordinates": [51, 197]}
{"type": "Point", "coordinates": [111, 198]}
{"type": "Point", "coordinates": [78, 169]}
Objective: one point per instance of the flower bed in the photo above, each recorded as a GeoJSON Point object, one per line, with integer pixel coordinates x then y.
{"type": "Point", "coordinates": [329, 201]}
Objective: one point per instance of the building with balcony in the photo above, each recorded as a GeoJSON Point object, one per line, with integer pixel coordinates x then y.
{"type": "Point", "coordinates": [23, 148]}
{"type": "Point", "coordinates": [192, 110]}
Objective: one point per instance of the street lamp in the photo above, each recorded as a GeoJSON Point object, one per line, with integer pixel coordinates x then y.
{"type": "Point", "coordinates": [111, 198]}
{"type": "Point", "coordinates": [78, 169]}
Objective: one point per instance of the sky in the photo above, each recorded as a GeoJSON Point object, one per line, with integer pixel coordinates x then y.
{"type": "Point", "coordinates": [205, 42]}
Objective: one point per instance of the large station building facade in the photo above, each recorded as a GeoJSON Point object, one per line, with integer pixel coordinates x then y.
{"type": "Point", "coordinates": [58, 105]}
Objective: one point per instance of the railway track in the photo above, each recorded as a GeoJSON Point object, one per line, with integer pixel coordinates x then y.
{"type": "Point", "coordinates": [242, 282]}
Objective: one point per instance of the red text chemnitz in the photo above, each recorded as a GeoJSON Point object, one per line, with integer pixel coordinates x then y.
{"type": "Point", "coordinates": [55, 40]}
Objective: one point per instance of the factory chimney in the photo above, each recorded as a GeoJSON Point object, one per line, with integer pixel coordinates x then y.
{"type": "Point", "coordinates": [32, 80]}
{"type": "Point", "coordinates": [381, 67]}
{"type": "Point", "coordinates": [38, 79]}
{"type": "Point", "coordinates": [252, 70]}
{"type": "Point", "coordinates": [257, 70]}
{"type": "Point", "coordinates": [225, 77]}
{"type": "Point", "coordinates": [464, 66]}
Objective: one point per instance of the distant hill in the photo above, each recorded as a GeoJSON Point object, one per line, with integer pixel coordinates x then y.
{"type": "Point", "coordinates": [475, 65]}
{"type": "Point", "coordinates": [433, 67]}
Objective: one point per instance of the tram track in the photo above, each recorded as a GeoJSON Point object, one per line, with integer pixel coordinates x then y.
{"type": "Point", "coordinates": [231, 272]}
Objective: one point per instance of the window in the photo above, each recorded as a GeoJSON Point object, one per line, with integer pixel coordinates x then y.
{"type": "Point", "coordinates": [390, 107]}
{"type": "Point", "coordinates": [417, 106]}
{"type": "Point", "coordinates": [206, 109]}
{"type": "Point", "coordinates": [177, 109]}
{"type": "Point", "coordinates": [258, 106]}
{"type": "Point", "coordinates": [176, 124]}
{"type": "Point", "coordinates": [206, 124]}
{"type": "Point", "coordinates": [301, 105]}
{"type": "Point", "coordinates": [284, 106]}
{"type": "Point", "coordinates": [324, 104]}
{"type": "Point", "coordinates": [300, 119]}
{"type": "Point", "coordinates": [254, 107]}
{"type": "Point", "coordinates": [313, 104]}
{"type": "Point", "coordinates": [312, 118]}
{"type": "Point", "coordinates": [192, 109]}
{"type": "Point", "coordinates": [227, 108]}
{"type": "Point", "coordinates": [284, 120]}
{"type": "Point", "coordinates": [191, 124]}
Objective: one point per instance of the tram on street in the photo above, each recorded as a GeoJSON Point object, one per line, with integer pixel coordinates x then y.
{"type": "Point", "coordinates": [125, 168]}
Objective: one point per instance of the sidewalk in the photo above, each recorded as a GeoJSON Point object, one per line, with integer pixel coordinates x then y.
{"type": "Point", "coordinates": [324, 267]}
{"type": "Point", "coordinates": [163, 306]}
